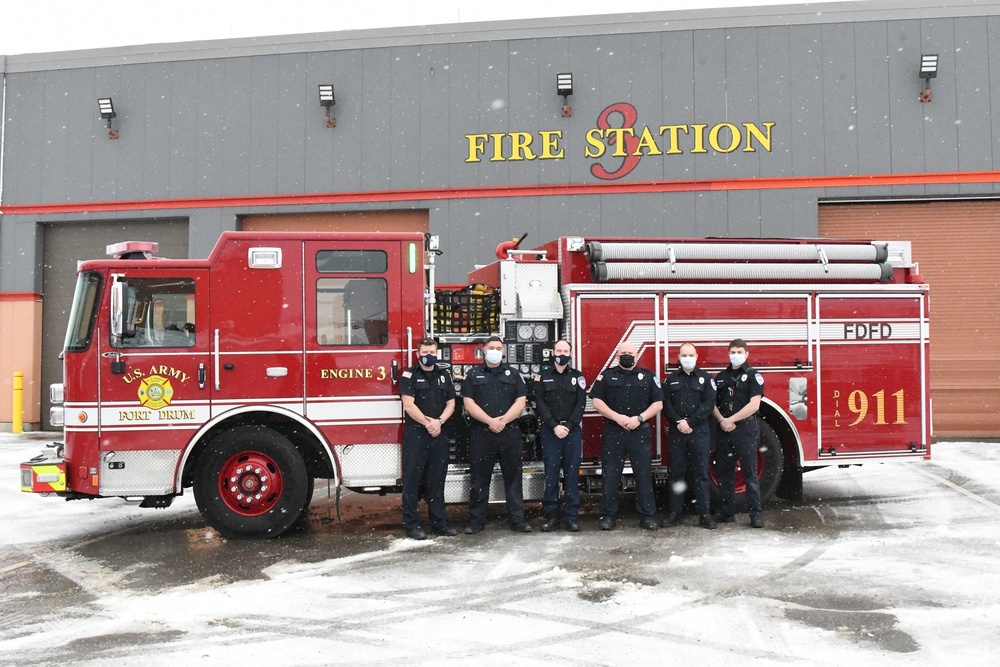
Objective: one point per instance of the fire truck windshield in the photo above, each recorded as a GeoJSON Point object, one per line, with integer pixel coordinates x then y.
{"type": "Point", "coordinates": [83, 313]}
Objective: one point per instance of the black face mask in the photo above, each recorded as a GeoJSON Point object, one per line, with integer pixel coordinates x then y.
{"type": "Point", "coordinates": [428, 359]}
{"type": "Point", "coordinates": [562, 359]}
{"type": "Point", "coordinates": [626, 360]}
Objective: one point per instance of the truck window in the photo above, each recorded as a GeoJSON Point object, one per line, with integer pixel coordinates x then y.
{"type": "Point", "coordinates": [351, 261]}
{"type": "Point", "coordinates": [352, 311]}
{"type": "Point", "coordinates": [83, 313]}
{"type": "Point", "coordinates": [164, 313]}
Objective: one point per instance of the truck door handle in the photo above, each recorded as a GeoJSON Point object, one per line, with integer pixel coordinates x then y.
{"type": "Point", "coordinates": [229, 367]}
{"type": "Point", "coordinates": [202, 375]}
{"type": "Point", "coordinates": [394, 371]}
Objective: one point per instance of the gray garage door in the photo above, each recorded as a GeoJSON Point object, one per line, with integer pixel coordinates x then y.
{"type": "Point", "coordinates": [65, 245]}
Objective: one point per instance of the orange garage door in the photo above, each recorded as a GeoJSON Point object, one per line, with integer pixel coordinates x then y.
{"type": "Point", "coordinates": [956, 244]}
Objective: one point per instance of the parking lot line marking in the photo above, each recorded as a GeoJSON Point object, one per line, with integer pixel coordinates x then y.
{"type": "Point", "coordinates": [979, 499]}
{"type": "Point", "coordinates": [15, 566]}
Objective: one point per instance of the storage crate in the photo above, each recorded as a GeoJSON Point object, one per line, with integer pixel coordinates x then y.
{"type": "Point", "coordinates": [466, 312]}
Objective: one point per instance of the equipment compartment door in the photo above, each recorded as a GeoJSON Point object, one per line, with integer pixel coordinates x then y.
{"type": "Point", "coordinates": [601, 323]}
{"type": "Point", "coordinates": [872, 375]}
{"type": "Point", "coordinates": [257, 326]}
{"type": "Point", "coordinates": [356, 339]}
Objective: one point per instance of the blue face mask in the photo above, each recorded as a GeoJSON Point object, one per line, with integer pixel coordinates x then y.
{"type": "Point", "coordinates": [428, 360]}
{"type": "Point", "coordinates": [494, 357]}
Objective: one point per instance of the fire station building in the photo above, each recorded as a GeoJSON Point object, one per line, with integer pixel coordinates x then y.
{"type": "Point", "coordinates": [871, 120]}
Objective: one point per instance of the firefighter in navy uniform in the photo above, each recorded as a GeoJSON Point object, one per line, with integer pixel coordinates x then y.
{"type": "Point", "coordinates": [428, 396]}
{"type": "Point", "coordinates": [688, 400]}
{"type": "Point", "coordinates": [494, 395]}
{"type": "Point", "coordinates": [561, 396]}
{"type": "Point", "coordinates": [627, 396]}
{"type": "Point", "coordinates": [739, 389]}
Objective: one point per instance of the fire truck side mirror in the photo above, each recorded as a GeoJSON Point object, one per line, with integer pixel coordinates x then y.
{"type": "Point", "coordinates": [122, 305]}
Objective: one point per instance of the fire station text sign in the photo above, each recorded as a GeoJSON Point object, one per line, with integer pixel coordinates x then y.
{"type": "Point", "coordinates": [617, 135]}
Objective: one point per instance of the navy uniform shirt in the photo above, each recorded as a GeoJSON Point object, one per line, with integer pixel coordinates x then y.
{"type": "Point", "coordinates": [690, 397]}
{"type": "Point", "coordinates": [735, 387]}
{"type": "Point", "coordinates": [627, 392]}
{"type": "Point", "coordinates": [560, 397]}
{"type": "Point", "coordinates": [431, 390]}
{"type": "Point", "coordinates": [494, 389]}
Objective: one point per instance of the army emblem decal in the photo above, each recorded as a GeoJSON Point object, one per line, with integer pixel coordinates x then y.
{"type": "Point", "coordinates": [155, 392]}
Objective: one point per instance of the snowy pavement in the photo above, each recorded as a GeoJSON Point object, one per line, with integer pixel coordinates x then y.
{"type": "Point", "coordinates": [885, 564]}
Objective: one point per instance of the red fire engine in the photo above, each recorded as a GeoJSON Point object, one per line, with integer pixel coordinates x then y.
{"type": "Point", "coordinates": [274, 362]}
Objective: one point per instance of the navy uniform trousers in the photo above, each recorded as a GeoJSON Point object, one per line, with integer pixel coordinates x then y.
{"type": "Point", "coordinates": [485, 449]}
{"type": "Point", "coordinates": [425, 466]}
{"type": "Point", "coordinates": [739, 445]}
{"type": "Point", "coordinates": [638, 446]}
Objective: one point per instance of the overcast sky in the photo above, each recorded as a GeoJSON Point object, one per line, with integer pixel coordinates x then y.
{"type": "Point", "coordinates": [40, 26]}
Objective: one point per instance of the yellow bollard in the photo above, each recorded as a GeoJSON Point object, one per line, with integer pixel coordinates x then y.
{"type": "Point", "coordinates": [18, 424]}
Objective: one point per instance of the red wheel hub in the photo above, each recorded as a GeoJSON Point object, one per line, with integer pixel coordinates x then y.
{"type": "Point", "coordinates": [250, 483]}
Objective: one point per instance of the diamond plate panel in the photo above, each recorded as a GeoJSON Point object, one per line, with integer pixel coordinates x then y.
{"type": "Point", "coordinates": [138, 473]}
{"type": "Point", "coordinates": [456, 487]}
{"type": "Point", "coordinates": [370, 464]}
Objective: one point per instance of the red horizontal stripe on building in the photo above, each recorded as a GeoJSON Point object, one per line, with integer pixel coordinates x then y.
{"type": "Point", "coordinates": [479, 192]}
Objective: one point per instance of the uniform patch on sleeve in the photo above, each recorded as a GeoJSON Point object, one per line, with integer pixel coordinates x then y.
{"type": "Point", "coordinates": [599, 377]}
{"type": "Point", "coordinates": [713, 384]}
{"type": "Point", "coordinates": [581, 382]}
{"type": "Point", "coordinates": [656, 381]}
{"type": "Point", "coordinates": [760, 379]}
{"type": "Point", "coordinates": [407, 374]}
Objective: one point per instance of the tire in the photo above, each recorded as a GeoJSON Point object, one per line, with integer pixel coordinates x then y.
{"type": "Point", "coordinates": [300, 523]}
{"type": "Point", "coordinates": [770, 464]}
{"type": "Point", "coordinates": [251, 482]}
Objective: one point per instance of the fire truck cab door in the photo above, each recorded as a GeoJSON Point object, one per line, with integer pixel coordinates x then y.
{"type": "Point", "coordinates": [152, 379]}
{"type": "Point", "coordinates": [357, 340]}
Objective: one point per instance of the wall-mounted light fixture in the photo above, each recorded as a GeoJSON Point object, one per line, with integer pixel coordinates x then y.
{"type": "Point", "coordinates": [326, 100]}
{"type": "Point", "coordinates": [564, 87]}
{"type": "Point", "coordinates": [928, 71]}
{"type": "Point", "coordinates": [107, 109]}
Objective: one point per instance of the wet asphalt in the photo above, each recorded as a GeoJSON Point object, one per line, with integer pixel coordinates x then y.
{"type": "Point", "coordinates": [891, 563]}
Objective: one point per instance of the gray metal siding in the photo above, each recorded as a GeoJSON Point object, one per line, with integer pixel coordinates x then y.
{"type": "Point", "coordinates": [259, 128]}
{"type": "Point", "coordinates": [972, 95]}
{"type": "Point", "coordinates": [205, 123]}
{"type": "Point", "coordinates": [872, 120]}
{"type": "Point", "coordinates": [993, 35]}
{"type": "Point", "coordinates": [774, 86]}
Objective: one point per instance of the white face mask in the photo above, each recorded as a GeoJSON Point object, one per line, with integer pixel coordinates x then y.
{"type": "Point", "coordinates": [737, 360]}
{"type": "Point", "coordinates": [688, 363]}
{"type": "Point", "coordinates": [494, 357]}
